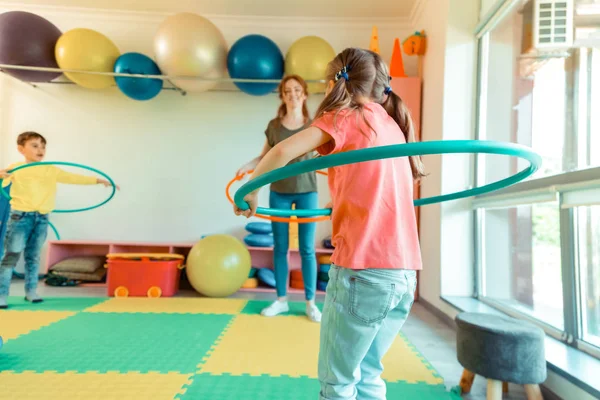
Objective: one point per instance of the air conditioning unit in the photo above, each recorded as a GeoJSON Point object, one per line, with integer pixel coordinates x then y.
{"type": "Point", "coordinates": [552, 27]}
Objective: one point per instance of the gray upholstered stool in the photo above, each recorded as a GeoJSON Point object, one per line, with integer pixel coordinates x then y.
{"type": "Point", "coordinates": [502, 350]}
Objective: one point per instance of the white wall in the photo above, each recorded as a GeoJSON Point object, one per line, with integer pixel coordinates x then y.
{"type": "Point", "coordinates": [448, 93]}
{"type": "Point", "coordinates": [172, 155]}
{"type": "Point", "coordinates": [486, 6]}
{"type": "Point", "coordinates": [457, 170]}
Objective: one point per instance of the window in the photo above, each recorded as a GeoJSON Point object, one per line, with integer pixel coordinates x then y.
{"type": "Point", "coordinates": [588, 232]}
{"type": "Point", "coordinates": [589, 93]}
{"type": "Point", "coordinates": [525, 99]}
{"type": "Point", "coordinates": [538, 242]}
{"type": "Point", "coordinates": [522, 262]}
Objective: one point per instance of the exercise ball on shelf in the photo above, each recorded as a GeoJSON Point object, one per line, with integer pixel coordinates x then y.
{"type": "Point", "coordinates": [308, 57]}
{"type": "Point", "coordinates": [187, 44]}
{"type": "Point", "coordinates": [138, 88]}
{"type": "Point", "coordinates": [87, 50]}
{"type": "Point", "coordinates": [218, 265]}
{"type": "Point", "coordinates": [255, 57]}
{"type": "Point", "coordinates": [27, 39]}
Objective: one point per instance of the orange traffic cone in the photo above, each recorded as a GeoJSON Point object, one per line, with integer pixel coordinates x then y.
{"type": "Point", "coordinates": [374, 46]}
{"type": "Point", "coordinates": [397, 64]}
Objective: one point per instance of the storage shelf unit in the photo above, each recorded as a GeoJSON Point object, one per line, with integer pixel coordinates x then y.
{"type": "Point", "coordinates": [262, 257]}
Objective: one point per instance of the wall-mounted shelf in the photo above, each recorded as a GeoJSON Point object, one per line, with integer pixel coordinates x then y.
{"type": "Point", "coordinates": [225, 84]}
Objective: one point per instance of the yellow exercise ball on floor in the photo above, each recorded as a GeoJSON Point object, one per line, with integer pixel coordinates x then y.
{"type": "Point", "coordinates": [187, 44]}
{"type": "Point", "coordinates": [87, 50]}
{"type": "Point", "coordinates": [308, 57]}
{"type": "Point", "coordinates": [218, 265]}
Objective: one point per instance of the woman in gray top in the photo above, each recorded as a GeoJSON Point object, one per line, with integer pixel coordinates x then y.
{"type": "Point", "coordinates": [299, 190]}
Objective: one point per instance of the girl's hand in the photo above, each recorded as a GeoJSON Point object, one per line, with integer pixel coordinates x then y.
{"type": "Point", "coordinates": [252, 200]}
{"type": "Point", "coordinates": [4, 174]}
{"type": "Point", "coordinates": [107, 183]}
{"type": "Point", "coordinates": [329, 205]}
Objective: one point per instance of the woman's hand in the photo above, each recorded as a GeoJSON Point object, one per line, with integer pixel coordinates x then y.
{"type": "Point", "coordinates": [247, 167]}
{"type": "Point", "coordinates": [252, 200]}
{"type": "Point", "coordinates": [4, 174]}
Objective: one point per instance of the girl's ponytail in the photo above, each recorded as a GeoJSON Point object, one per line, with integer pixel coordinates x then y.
{"type": "Point", "coordinates": [396, 108]}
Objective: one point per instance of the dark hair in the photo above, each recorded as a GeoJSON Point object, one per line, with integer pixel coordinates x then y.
{"type": "Point", "coordinates": [360, 73]}
{"type": "Point", "coordinates": [29, 135]}
{"type": "Point", "coordinates": [282, 111]}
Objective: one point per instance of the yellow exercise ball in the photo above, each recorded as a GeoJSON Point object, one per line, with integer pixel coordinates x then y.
{"type": "Point", "coordinates": [308, 57]}
{"type": "Point", "coordinates": [187, 44]}
{"type": "Point", "coordinates": [218, 265]}
{"type": "Point", "coordinates": [87, 50]}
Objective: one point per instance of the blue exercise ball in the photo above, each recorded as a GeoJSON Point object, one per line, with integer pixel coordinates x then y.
{"type": "Point", "coordinates": [138, 88]}
{"type": "Point", "coordinates": [255, 57]}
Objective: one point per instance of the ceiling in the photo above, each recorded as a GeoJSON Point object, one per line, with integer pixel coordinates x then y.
{"type": "Point", "coordinates": [287, 8]}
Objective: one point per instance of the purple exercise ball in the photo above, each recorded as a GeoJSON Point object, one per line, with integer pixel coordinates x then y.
{"type": "Point", "coordinates": [28, 39]}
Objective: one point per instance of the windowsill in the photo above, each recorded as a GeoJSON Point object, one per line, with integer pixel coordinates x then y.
{"type": "Point", "coordinates": [577, 367]}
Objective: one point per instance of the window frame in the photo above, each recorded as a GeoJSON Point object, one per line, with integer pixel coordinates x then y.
{"type": "Point", "coordinates": [573, 180]}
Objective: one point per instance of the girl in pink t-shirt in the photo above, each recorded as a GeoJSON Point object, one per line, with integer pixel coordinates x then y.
{"type": "Point", "coordinates": [373, 279]}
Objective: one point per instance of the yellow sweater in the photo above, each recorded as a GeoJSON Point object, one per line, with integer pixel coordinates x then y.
{"type": "Point", "coordinates": [34, 188]}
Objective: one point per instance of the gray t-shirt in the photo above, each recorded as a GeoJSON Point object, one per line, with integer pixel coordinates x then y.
{"type": "Point", "coordinates": [302, 183]}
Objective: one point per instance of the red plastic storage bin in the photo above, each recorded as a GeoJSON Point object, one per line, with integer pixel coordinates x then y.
{"type": "Point", "coordinates": [143, 274]}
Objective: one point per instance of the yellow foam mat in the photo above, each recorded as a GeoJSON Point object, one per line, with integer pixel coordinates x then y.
{"type": "Point", "coordinates": [17, 323]}
{"type": "Point", "coordinates": [288, 345]}
{"type": "Point", "coordinates": [255, 345]}
{"type": "Point", "coordinates": [174, 305]}
{"type": "Point", "coordinates": [403, 363]}
{"type": "Point", "coordinates": [91, 386]}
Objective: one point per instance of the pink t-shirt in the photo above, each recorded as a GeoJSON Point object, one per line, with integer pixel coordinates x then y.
{"type": "Point", "coordinates": [374, 223]}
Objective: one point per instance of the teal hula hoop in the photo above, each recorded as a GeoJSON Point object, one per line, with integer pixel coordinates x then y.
{"type": "Point", "coordinates": [391, 151]}
{"type": "Point", "coordinates": [70, 164]}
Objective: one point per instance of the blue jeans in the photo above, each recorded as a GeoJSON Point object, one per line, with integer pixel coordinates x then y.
{"type": "Point", "coordinates": [362, 316]}
{"type": "Point", "coordinates": [25, 231]}
{"type": "Point", "coordinates": [306, 237]}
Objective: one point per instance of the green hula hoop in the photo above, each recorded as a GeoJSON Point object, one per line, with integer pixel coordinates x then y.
{"type": "Point", "coordinates": [391, 151]}
{"type": "Point", "coordinates": [70, 164]}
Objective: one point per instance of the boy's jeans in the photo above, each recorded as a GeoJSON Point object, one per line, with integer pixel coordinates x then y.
{"type": "Point", "coordinates": [25, 231]}
{"type": "Point", "coordinates": [362, 316]}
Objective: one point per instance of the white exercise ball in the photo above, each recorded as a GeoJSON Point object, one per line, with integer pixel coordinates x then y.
{"type": "Point", "coordinates": [187, 44]}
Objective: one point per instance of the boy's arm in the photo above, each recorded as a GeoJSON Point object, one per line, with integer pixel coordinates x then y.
{"type": "Point", "coordinates": [76, 179]}
{"type": "Point", "coordinates": [6, 176]}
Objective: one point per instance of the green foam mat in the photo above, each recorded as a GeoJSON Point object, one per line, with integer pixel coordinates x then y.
{"type": "Point", "coordinates": [116, 342]}
{"type": "Point", "coordinates": [227, 387]}
{"type": "Point", "coordinates": [18, 303]}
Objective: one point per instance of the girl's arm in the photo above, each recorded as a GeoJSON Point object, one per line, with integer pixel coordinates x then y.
{"type": "Point", "coordinates": [254, 162]}
{"type": "Point", "coordinates": [280, 155]}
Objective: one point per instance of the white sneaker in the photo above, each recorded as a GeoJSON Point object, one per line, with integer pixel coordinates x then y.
{"type": "Point", "coordinates": [276, 308]}
{"type": "Point", "coordinates": [33, 297]}
{"type": "Point", "coordinates": [313, 313]}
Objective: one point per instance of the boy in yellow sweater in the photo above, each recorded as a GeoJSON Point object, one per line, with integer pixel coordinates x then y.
{"type": "Point", "coordinates": [33, 193]}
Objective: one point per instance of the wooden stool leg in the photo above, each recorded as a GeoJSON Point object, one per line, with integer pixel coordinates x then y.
{"type": "Point", "coordinates": [466, 381]}
{"type": "Point", "coordinates": [504, 387]}
{"type": "Point", "coordinates": [533, 392]}
{"type": "Point", "coordinates": [494, 390]}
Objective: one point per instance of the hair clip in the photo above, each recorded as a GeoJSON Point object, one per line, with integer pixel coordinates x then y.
{"type": "Point", "coordinates": [343, 73]}
{"type": "Point", "coordinates": [387, 90]}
